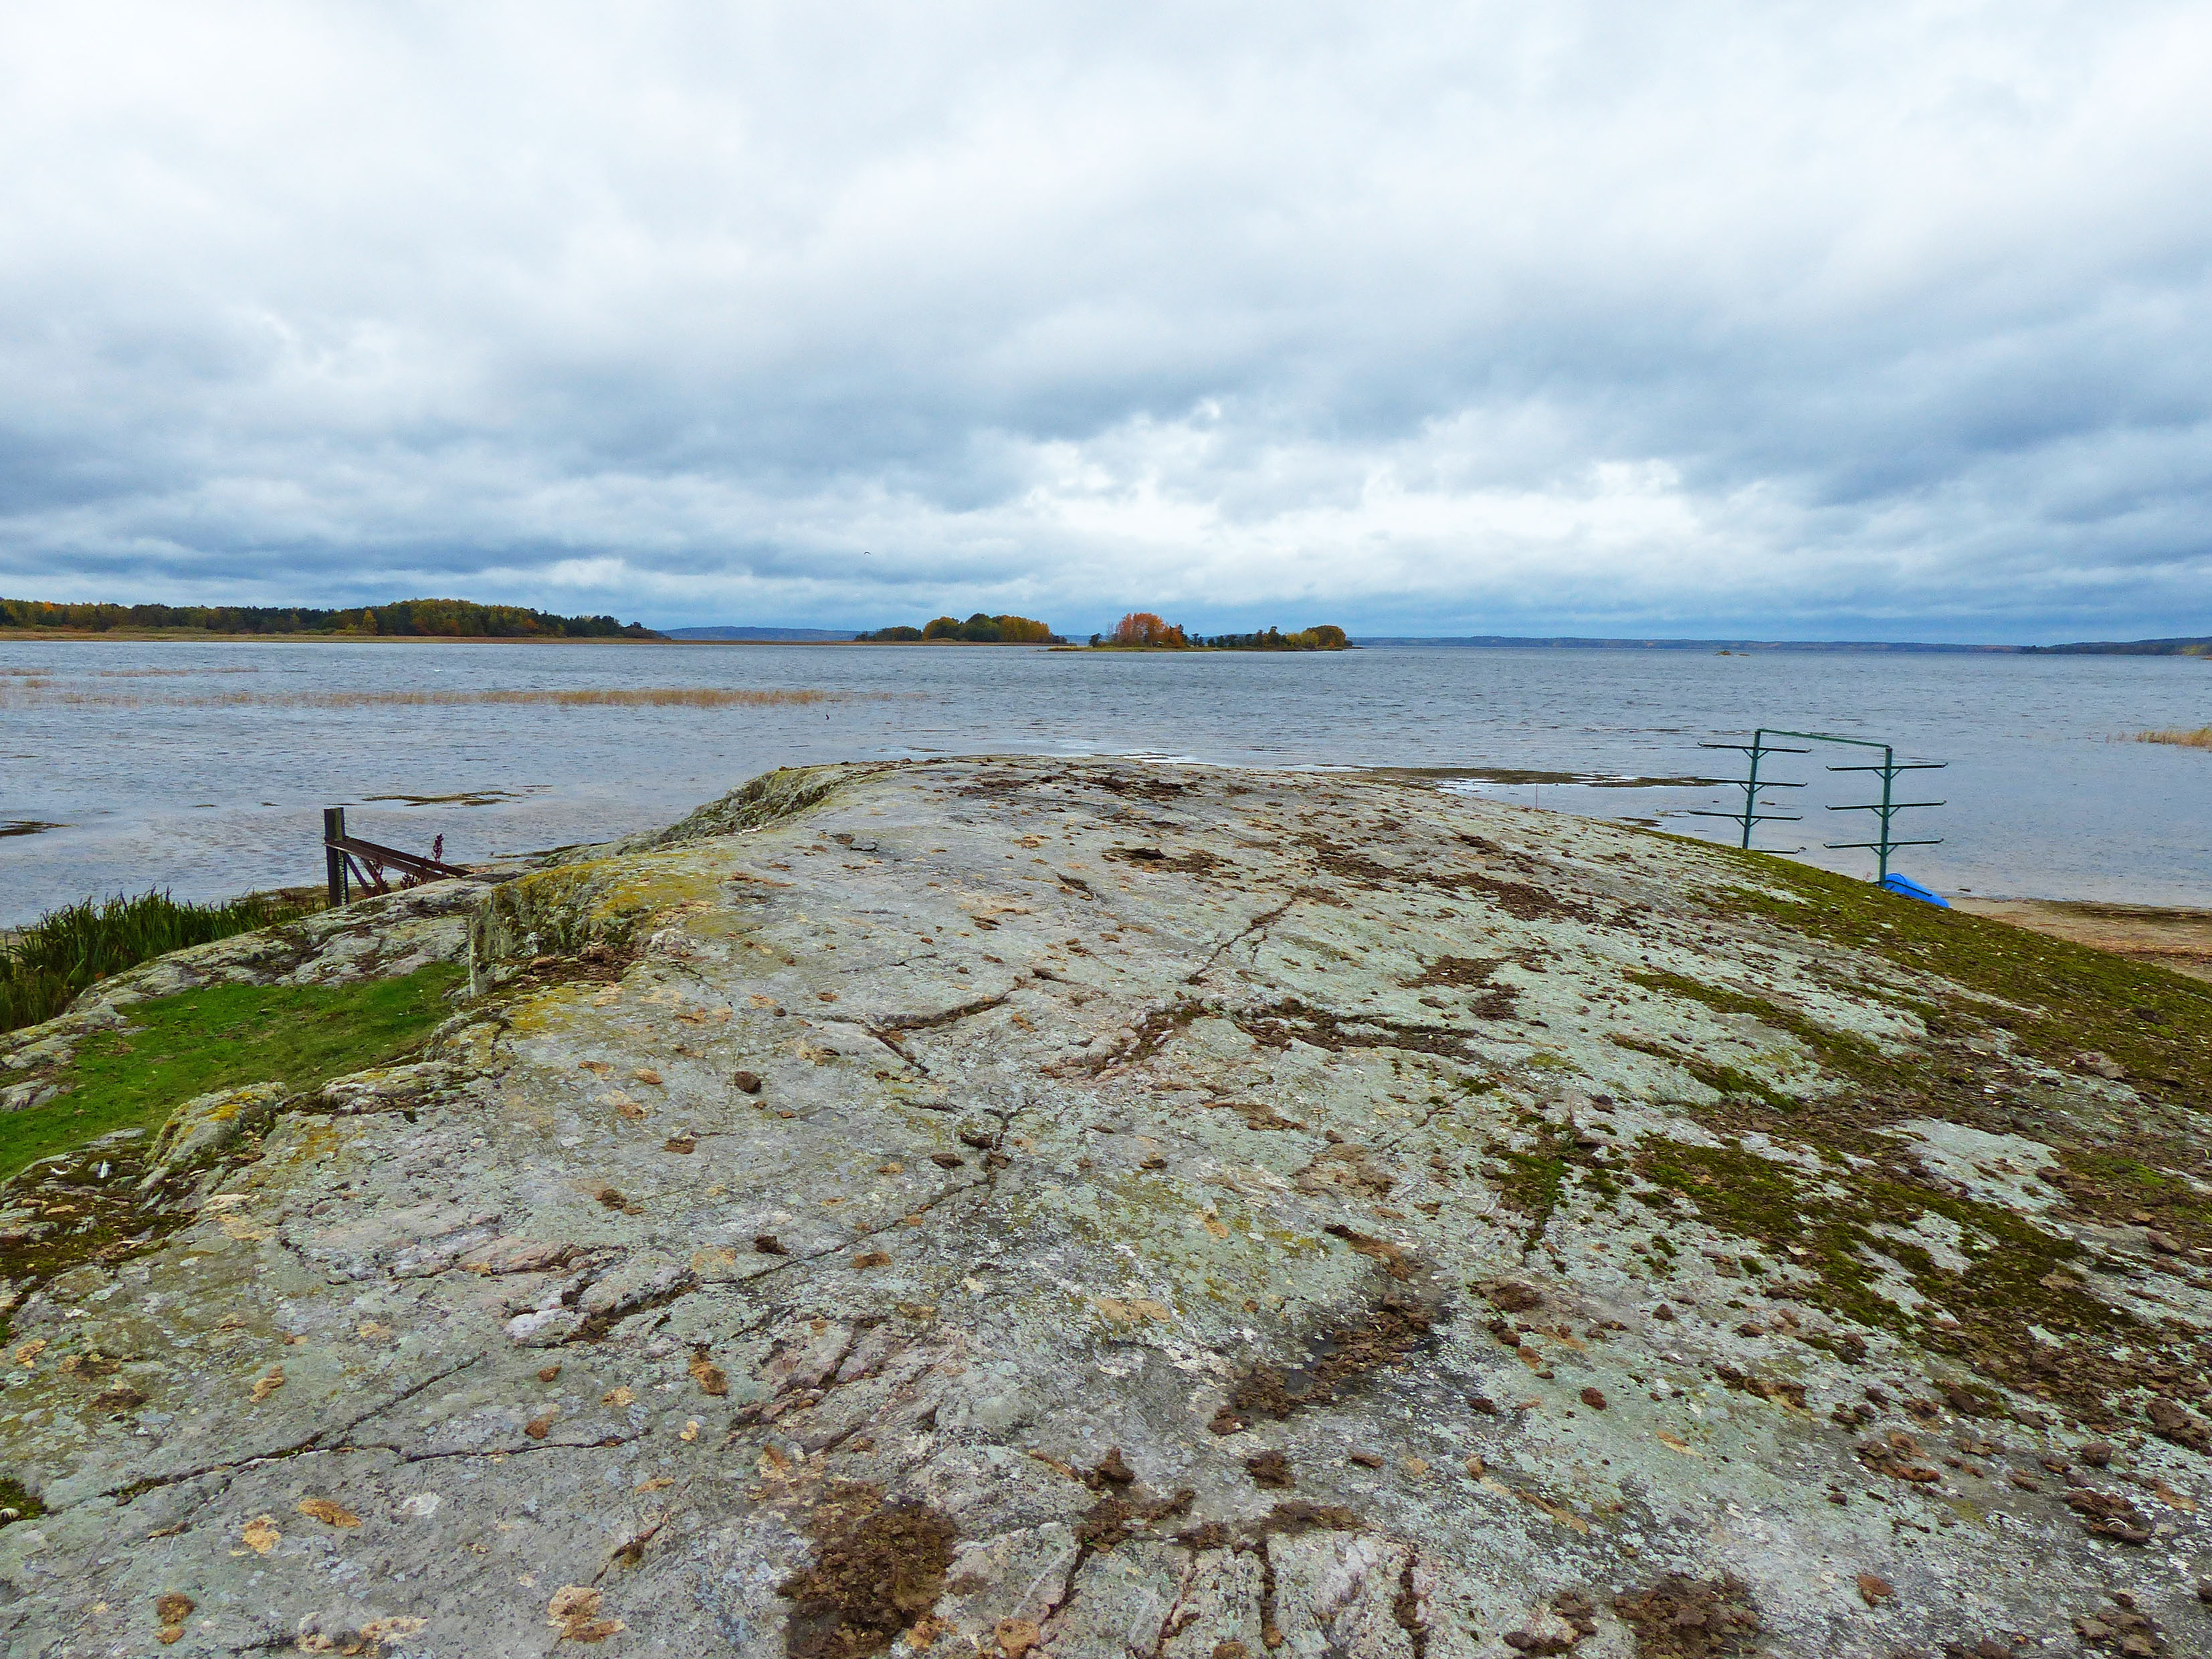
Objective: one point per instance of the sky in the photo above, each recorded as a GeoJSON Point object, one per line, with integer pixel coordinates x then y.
{"type": "Point", "coordinates": [1792, 321]}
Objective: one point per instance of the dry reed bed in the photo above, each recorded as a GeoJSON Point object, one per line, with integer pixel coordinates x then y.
{"type": "Point", "coordinates": [673, 696]}
{"type": "Point", "coordinates": [41, 676]}
{"type": "Point", "coordinates": [2186, 738]}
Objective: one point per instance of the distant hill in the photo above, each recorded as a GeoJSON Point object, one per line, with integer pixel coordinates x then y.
{"type": "Point", "coordinates": [448, 619]}
{"type": "Point", "coordinates": [2195, 647]}
{"type": "Point", "coordinates": [786, 635]}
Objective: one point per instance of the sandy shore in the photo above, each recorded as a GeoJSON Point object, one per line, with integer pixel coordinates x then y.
{"type": "Point", "coordinates": [2166, 937]}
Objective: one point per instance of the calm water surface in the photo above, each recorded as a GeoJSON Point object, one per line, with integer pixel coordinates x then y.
{"type": "Point", "coordinates": [203, 768]}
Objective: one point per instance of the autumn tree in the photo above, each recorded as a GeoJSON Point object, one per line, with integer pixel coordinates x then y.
{"type": "Point", "coordinates": [1143, 627]}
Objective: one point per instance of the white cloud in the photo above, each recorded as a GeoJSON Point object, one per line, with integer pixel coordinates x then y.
{"type": "Point", "coordinates": [1440, 317]}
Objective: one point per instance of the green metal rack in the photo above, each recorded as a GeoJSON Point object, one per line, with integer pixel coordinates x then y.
{"type": "Point", "coordinates": [1884, 810]}
{"type": "Point", "coordinates": [1751, 817]}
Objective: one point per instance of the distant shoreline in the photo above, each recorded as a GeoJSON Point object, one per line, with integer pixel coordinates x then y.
{"type": "Point", "coordinates": [2177, 648]}
{"type": "Point", "coordinates": [1507, 641]}
{"type": "Point", "coordinates": [189, 635]}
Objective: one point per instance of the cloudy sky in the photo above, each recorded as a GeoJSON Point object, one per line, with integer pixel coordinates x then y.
{"type": "Point", "coordinates": [1883, 320]}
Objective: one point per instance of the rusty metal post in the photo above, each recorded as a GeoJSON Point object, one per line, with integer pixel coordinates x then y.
{"type": "Point", "coordinates": [334, 861]}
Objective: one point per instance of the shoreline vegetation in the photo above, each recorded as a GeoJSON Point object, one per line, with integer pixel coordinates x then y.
{"type": "Point", "coordinates": [36, 690]}
{"type": "Point", "coordinates": [1138, 630]}
{"type": "Point", "coordinates": [1142, 630]}
{"type": "Point", "coordinates": [466, 621]}
{"type": "Point", "coordinates": [2182, 737]}
{"type": "Point", "coordinates": [417, 619]}
{"type": "Point", "coordinates": [978, 629]}
{"type": "Point", "coordinates": [2183, 647]}
{"type": "Point", "coordinates": [45, 965]}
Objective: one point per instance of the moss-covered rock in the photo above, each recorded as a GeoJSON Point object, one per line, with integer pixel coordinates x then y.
{"type": "Point", "coordinates": [206, 1126]}
{"type": "Point", "coordinates": [921, 1203]}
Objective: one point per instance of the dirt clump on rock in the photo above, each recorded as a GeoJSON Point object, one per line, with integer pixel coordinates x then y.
{"type": "Point", "coordinates": [1394, 1327]}
{"type": "Point", "coordinates": [880, 1570]}
{"type": "Point", "coordinates": [1685, 1618]}
{"type": "Point", "coordinates": [1270, 1469]}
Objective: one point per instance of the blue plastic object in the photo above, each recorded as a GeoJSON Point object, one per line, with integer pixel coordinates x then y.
{"type": "Point", "coordinates": [1908, 888]}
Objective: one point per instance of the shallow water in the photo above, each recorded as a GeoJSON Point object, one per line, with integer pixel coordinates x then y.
{"type": "Point", "coordinates": [203, 768]}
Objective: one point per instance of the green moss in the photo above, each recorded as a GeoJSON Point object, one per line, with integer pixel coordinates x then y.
{"type": "Point", "coordinates": [789, 792]}
{"type": "Point", "coordinates": [2016, 1275]}
{"type": "Point", "coordinates": [1530, 1181]}
{"type": "Point", "coordinates": [2117, 1185]}
{"type": "Point", "coordinates": [1843, 1052]}
{"type": "Point", "coordinates": [2068, 997]}
{"type": "Point", "coordinates": [1727, 1080]}
{"type": "Point", "coordinates": [2130, 1172]}
{"type": "Point", "coordinates": [1755, 1198]}
{"type": "Point", "coordinates": [1721, 1080]}
{"type": "Point", "coordinates": [219, 1037]}
{"type": "Point", "coordinates": [14, 1495]}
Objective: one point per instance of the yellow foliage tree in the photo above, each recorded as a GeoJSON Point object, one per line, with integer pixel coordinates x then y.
{"type": "Point", "coordinates": [1143, 627]}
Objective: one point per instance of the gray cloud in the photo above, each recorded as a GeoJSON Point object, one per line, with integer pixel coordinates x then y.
{"type": "Point", "coordinates": [1453, 318]}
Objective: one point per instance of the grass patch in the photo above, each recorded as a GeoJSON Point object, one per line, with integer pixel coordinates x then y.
{"type": "Point", "coordinates": [49, 962]}
{"type": "Point", "coordinates": [220, 1036]}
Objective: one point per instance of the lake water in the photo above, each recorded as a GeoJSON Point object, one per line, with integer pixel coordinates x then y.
{"type": "Point", "coordinates": [203, 768]}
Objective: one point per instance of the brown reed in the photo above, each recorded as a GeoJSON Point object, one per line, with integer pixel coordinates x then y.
{"type": "Point", "coordinates": [670, 697]}
{"type": "Point", "coordinates": [676, 696]}
{"type": "Point", "coordinates": [2198, 738]}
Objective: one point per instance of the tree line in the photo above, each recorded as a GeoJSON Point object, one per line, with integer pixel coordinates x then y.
{"type": "Point", "coordinates": [978, 629]}
{"type": "Point", "coordinates": [1144, 628]}
{"type": "Point", "coordinates": [445, 619]}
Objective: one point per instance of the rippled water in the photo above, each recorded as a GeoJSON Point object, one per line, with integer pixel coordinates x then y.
{"type": "Point", "coordinates": [208, 776]}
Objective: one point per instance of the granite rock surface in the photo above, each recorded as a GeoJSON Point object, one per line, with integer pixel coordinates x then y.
{"type": "Point", "coordinates": [1089, 1209]}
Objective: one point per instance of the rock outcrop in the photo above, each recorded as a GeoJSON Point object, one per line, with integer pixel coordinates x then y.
{"type": "Point", "coordinates": [1014, 1206]}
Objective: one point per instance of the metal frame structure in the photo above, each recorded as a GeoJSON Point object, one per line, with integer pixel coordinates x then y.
{"type": "Point", "coordinates": [341, 852]}
{"type": "Point", "coordinates": [1751, 816]}
{"type": "Point", "coordinates": [1884, 810]}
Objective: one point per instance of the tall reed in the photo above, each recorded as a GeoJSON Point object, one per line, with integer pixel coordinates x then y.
{"type": "Point", "coordinates": [47, 965]}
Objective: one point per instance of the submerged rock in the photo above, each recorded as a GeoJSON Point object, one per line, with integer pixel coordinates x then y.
{"type": "Point", "coordinates": [1008, 1205]}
